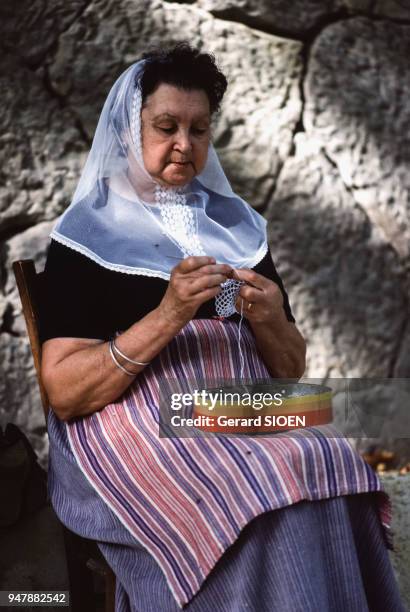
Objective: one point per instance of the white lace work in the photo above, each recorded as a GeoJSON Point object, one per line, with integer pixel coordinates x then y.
{"type": "Point", "coordinates": [135, 120]}
{"type": "Point", "coordinates": [225, 301]}
{"type": "Point", "coordinates": [179, 222]}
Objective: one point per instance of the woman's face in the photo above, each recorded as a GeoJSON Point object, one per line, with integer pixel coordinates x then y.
{"type": "Point", "coordinates": [175, 134]}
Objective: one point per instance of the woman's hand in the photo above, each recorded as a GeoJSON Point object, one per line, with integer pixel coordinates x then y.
{"type": "Point", "coordinates": [193, 281]}
{"type": "Point", "coordinates": [280, 343]}
{"type": "Point", "coordinates": [260, 300]}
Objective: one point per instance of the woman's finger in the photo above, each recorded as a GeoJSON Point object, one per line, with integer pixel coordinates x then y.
{"type": "Point", "coordinates": [205, 282]}
{"type": "Point", "coordinates": [207, 294]}
{"type": "Point", "coordinates": [250, 294]}
{"type": "Point", "coordinates": [244, 307]}
{"type": "Point", "coordinates": [194, 263]}
{"type": "Point", "coordinates": [216, 269]}
{"type": "Point", "coordinates": [251, 277]}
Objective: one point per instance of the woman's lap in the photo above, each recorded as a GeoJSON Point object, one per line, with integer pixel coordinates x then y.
{"type": "Point", "coordinates": [327, 555]}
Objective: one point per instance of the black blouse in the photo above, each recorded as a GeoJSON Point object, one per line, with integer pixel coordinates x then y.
{"type": "Point", "coordinates": [78, 298]}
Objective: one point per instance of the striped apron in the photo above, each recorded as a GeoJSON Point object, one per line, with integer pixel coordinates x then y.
{"type": "Point", "coordinates": [186, 500]}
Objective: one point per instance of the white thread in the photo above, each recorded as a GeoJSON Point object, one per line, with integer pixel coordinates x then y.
{"type": "Point", "coordinates": [241, 357]}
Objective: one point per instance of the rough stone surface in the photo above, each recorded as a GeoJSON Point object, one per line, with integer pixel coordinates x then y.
{"type": "Point", "coordinates": [394, 9]}
{"type": "Point", "coordinates": [30, 244]}
{"type": "Point", "coordinates": [373, 413]}
{"type": "Point", "coordinates": [262, 106]}
{"type": "Point", "coordinates": [277, 16]}
{"type": "Point", "coordinates": [29, 29]}
{"type": "Point", "coordinates": [282, 17]}
{"type": "Point", "coordinates": [343, 279]}
{"type": "Point", "coordinates": [356, 92]}
{"type": "Point", "coordinates": [3, 308]}
{"type": "Point", "coordinates": [40, 150]}
{"type": "Point", "coordinates": [398, 487]}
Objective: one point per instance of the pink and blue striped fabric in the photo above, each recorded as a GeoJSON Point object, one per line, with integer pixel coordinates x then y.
{"type": "Point", "coordinates": [186, 500]}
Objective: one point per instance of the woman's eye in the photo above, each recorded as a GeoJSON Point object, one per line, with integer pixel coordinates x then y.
{"type": "Point", "coordinates": [173, 129]}
{"type": "Point", "coordinates": [167, 130]}
{"type": "Point", "coordinates": [199, 131]}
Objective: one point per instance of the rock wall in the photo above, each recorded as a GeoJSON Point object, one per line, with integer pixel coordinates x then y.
{"type": "Point", "coordinates": [314, 132]}
{"type": "Point", "coordinates": [398, 488]}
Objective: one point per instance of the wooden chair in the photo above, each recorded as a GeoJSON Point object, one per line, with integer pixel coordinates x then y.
{"type": "Point", "coordinates": [83, 556]}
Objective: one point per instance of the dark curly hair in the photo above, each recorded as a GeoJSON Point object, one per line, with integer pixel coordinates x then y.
{"type": "Point", "coordinates": [185, 67]}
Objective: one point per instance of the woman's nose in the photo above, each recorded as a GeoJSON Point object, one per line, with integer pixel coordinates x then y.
{"type": "Point", "coordinates": [183, 141]}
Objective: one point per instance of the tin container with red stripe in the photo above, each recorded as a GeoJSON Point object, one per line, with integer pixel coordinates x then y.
{"type": "Point", "coordinates": [263, 408]}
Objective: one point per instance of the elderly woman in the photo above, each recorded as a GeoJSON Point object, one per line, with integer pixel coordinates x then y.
{"type": "Point", "coordinates": [150, 274]}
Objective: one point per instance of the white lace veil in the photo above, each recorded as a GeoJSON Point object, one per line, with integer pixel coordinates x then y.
{"type": "Point", "coordinates": [125, 221]}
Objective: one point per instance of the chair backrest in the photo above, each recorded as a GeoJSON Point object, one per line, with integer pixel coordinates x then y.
{"type": "Point", "coordinates": [29, 290]}
{"type": "Point", "coordinates": [27, 284]}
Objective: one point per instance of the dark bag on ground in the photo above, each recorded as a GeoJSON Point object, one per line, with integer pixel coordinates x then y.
{"type": "Point", "coordinates": [23, 482]}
